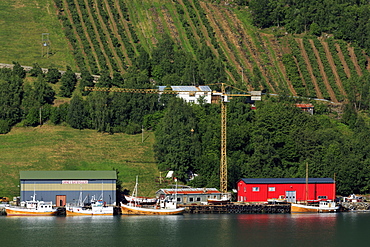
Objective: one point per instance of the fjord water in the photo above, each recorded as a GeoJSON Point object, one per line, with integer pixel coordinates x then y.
{"type": "Point", "coordinates": [341, 229]}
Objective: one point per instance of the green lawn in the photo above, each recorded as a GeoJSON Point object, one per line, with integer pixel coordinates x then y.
{"type": "Point", "coordinates": [64, 148]}
{"type": "Point", "coordinates": [22, 23]}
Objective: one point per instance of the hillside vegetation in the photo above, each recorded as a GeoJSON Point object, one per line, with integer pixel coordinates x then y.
{"type": "Point", "coordinates": [140, 44]}
{"type": "Point", "coordinates": [63, 148]}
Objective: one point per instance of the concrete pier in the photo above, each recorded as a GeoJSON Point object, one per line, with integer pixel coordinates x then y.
{"type": "Point", "coordinates": [238, 209]}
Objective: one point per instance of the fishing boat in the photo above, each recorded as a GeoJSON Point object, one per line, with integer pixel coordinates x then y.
{"type": "Point", "coordinates": [32, 208]}
{"type": "Point", "coordinates": [225, 199]}
{"type": "Point", "coordinates": [96, 208]}
{"type": "Point", "coordinates": [321, 207]}
{"type": "Point", "coordinates": [163, 207]}
{"type": "Point", "coordinates": [134, 199]}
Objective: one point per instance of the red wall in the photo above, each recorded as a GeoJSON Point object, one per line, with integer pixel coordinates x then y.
{"type": "Point", "coordinates": [245, 193]}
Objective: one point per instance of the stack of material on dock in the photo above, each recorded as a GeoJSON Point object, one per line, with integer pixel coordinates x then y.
{"type": "Point", "coordinates": [355, 205]}
{"type": "Point", "coordinates": [237, 209]}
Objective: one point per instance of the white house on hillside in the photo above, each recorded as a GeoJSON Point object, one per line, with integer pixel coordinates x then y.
{"type": "Point", "coordinates": [194, 94]}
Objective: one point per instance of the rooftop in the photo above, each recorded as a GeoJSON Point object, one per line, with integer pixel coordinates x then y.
{"type": "Point", "coordinates": [68, 175]}
{"type": "Point", "coordinates": [190, 191]}
{"type": "Point", "coordinates": [287, 180]}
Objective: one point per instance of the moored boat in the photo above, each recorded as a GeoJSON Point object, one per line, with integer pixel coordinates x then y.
{"type": "Point", "coordinates": [321, 207]}
{"type": "Point", "coordinates": [225, 199]}
{"type": "Point", "coordinates": [163, 208]}
{"type": "Point", "coordinates": [96, 208]}
{"type": "Point", "coordinates": [32, 208]}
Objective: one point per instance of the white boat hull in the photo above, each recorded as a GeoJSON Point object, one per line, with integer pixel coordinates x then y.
{"type": "Point", "coordinates": [302, 208]}
{"type": "Point", "coordinates": [10, 211]}
{"type": "Point", "coordinates": [79, 211]}
{"type": "Point", "coordinates": [135, 210]}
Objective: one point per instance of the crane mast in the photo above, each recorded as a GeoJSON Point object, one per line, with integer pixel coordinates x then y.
{"type": "Point", "coordinates": [223, 161]}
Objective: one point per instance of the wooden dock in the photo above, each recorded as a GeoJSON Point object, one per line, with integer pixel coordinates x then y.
{"type": "Point", "coordinates": [238, 209]}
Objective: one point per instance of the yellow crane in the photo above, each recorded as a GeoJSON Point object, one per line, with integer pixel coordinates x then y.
{"type": "Point", "coordinates": [223, 98]}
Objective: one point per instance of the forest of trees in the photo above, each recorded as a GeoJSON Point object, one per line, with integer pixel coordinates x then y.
{"type": "Point", "coordinates": [345, 19]}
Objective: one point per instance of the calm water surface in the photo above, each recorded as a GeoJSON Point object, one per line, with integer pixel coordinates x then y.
{"type": "Point", "coordinates": [343, 229]}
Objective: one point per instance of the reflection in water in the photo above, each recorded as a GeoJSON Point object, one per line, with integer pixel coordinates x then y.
{"type": "Point", "coordinates": [343, 229]}
{"type": "Point", "coordinates": [287, 230]}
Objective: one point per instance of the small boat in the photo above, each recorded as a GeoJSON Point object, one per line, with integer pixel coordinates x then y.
{"type": "Point", "coordinates": [225, 199]}
{"type": "Point", "coordinates": [321, 207]}
{"type": "Point", "coordinates": [32, 208]}
{"type": "Point", "coordinates": [141, 200]}
{"type": "Point", "coordinates": [164, 207]}
{"type": "Point", "coordinates": [97, 208]}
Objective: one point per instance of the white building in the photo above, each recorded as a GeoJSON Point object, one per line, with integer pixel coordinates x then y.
{"type": "Point", "coordinates": [195, 94]}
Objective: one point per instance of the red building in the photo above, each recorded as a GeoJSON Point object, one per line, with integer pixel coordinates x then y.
{"type": "Point", "coordinates": [292, 189]}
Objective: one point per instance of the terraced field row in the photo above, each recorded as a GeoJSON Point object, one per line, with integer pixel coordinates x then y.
{"type": "Point", "coordinates": [321, 68]}
{"type": "Point", "coordinates": [98, 33]}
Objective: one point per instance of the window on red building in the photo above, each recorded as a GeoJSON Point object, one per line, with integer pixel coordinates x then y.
{"type": "Point", "coordinates": [255, 189]}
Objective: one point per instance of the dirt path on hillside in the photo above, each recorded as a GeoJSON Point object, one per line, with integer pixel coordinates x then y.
{"type": "Point", "coordinates": [116, 58]}
{"type": "Point", "coordinates": [69, 14]}
{"type": "Point", "coordinates": [333, 67]}
{"type": "Point", "coordinates": [309, 68]}
{"type": "Point", "coordinates": [171, 25]}
{"type": "Point", "coordinates": [87, 34]}
{"type": "Point", "coordinates": [368, 60]}
{"type": "Point", "coordinates": [278, 50]}
{"type": "Point", "coordinates": [352, 54]}
{"type": "Point", "coordinates": [191, 23]}
{"type": "Point", "coordinates": [204, 29]}
{"type": "Point", "coordinates": [114, 28]}
{"type": "Point", "coordinates": [98, 37]}
{"type": "Point", "coordinates": [236, 38]}
{"type": "Point", "coordinates": [322, 72]}
{"type": "Point", "coordinates": [125, 25]}
{"type": "Point", "coordinates": [228, 51]}
{"type": "Point", "coordinates": [343, 61]}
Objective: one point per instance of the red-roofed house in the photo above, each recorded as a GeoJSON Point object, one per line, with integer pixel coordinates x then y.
{"type": "Point", "coordinates": [306, 107]}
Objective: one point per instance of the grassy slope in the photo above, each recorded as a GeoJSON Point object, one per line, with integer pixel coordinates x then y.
{"type": "Point", "coordinates": [22, 23]}
{"type": "Point", "coordinates": [63, 148]}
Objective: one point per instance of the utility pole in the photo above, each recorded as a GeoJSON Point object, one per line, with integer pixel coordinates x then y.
{"type": "Point", "coordinates": [45, 45]}
{"type": "Point", "coordinates": [142, 133]}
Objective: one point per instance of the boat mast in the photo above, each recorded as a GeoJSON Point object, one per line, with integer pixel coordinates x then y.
{"type": "Point", "coordinates": [306, 182]}
{"type": "Point", "coordinates": [134, 193]}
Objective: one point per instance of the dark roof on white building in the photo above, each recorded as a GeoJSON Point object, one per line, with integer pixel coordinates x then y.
{"type": "Point", "coordinates": [287, 180]}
